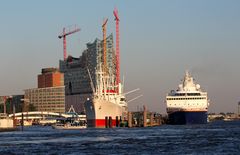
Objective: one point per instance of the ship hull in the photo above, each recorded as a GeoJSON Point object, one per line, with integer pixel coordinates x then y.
{"type": "Point", "coordinates": [103, 113]}
{"type": "Point", "coordinates": [187, 117]}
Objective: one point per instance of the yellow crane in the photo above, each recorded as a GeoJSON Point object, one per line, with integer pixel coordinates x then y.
{"type": "Point", "coordinates": [104, 44]}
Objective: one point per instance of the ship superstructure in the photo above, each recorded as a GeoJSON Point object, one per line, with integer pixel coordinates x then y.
{"type": "Point", "coordinates": [188, 104]}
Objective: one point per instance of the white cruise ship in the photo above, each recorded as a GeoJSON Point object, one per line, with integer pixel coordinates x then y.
{"type": "Point", "coordinates": [188, 104]}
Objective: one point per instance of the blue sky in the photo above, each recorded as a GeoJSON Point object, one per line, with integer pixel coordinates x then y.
{"type": "Point", "coordinates": [159, 40]}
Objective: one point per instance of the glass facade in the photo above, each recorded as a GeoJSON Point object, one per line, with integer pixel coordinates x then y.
{"type": "Point", "coordinates": [76, 78]}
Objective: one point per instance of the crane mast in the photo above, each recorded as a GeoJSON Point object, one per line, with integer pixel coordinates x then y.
{"type": "Point", "coordinates": [104, 45]}
{"type": "Point", "coordinates": [115, 13]}
{"type": "Point", "coordinates": [63, 35]}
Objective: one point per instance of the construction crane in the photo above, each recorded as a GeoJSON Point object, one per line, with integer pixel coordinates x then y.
{"type": "Point", "coordinates": [63, 35]}
{"type": "Point", "coordinates": [115, 13]}
{"type": "Point", "coordinates": [104, 44]}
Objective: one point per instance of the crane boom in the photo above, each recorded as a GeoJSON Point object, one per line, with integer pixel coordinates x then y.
{"type": "Point", "coordinates": [71, 32]}
{"type": "Point", "coordinates": [63, 35]}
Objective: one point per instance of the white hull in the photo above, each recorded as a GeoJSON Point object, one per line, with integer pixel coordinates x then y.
{"type": "Point", "coordinates": [98, 109]}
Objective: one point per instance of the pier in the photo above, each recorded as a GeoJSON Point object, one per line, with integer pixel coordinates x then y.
{"type": "Point", "coordinates": [144, 118]}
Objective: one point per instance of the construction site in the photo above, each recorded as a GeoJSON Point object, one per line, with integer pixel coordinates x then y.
{"type": "Point", "coordinates": [101, 51]}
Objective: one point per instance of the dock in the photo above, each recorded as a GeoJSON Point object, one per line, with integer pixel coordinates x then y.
{"type": "Point", "coordinates": [144, 118]}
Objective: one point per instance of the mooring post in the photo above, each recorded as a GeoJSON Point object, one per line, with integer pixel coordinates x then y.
{"type": "Point", "coordinates": [22, 123]}
{"type": "Point", "coordinates": [151, 119]}
{"type": "Point", "coordinates": [110, 122]}
{"type": "Point", "coordinates": [117, 122]}
{"type": "Point", "coordinates": [129, 119]}
{"type": "Point", "coordinates": [106, 122]}
{"type": "Point", "coordinates": [144, 116]}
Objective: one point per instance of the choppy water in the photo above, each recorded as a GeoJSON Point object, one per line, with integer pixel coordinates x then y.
{"type": "Point", "coordinates": [212, 138]}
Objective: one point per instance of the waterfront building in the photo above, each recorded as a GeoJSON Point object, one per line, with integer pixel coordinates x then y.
{"type": "Point", "coordinates": [50, 77]}
{"type": "Point", "coordinates": [50, 94]}
{"type": "Point", "coordinates": [51, 99]}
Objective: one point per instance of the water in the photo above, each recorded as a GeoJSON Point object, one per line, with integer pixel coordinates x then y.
{"type": "Point", "coordinates": [212, 138]}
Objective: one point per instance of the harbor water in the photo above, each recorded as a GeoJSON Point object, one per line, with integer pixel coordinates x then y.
{"type": "Point", "coordinates": [212, 138]}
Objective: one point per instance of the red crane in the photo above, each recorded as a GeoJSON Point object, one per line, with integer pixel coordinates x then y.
{"type": "Point", "coordinates": [115, 13]}
{"type": "Point", "coordinates": [63, 35]}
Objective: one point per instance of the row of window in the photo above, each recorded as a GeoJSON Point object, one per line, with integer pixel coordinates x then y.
{"type": "Point", "coordinates": [187, 94]}
{"type": "Point", "coordinates": [192, 104]}
{"type": "Point", "coordinates": [52, 106]}
{"type": "Point", "coordinates": [44, 90]}
{"type": "Point", "coordinates": [48, 102]}
{"type": "Point", "coordinates": [46, 96]}
{"type": "Point", "coordinates": [194, 98]}
{"type": "Point", "coordinates": [46, 99]}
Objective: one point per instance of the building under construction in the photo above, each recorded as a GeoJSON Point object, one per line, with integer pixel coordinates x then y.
{"type": "Point", "coordinates": [76, 77]}
{"type": "Point", "coordinates": [80, 73]}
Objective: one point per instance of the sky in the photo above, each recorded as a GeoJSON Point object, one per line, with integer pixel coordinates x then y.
{"type": "Point", "coordinates": [159, 40]}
